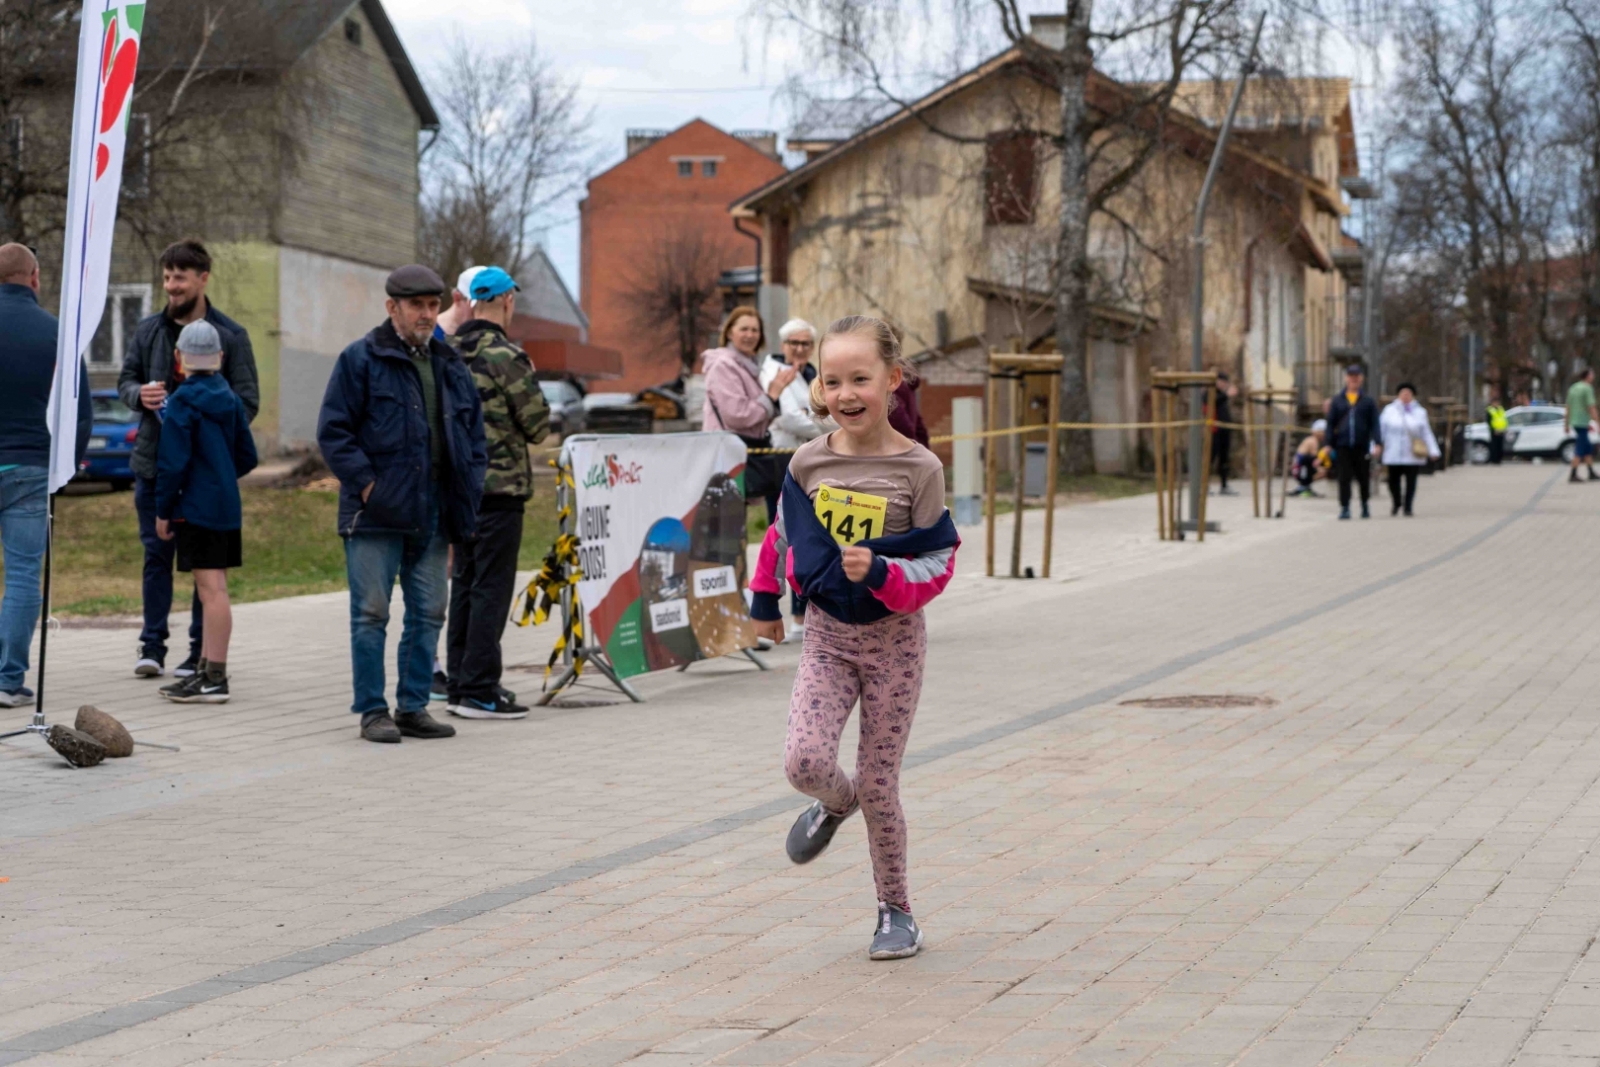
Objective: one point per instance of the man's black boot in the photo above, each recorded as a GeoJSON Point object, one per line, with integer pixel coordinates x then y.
{"type": "Point", "coordinates": [421, 724]}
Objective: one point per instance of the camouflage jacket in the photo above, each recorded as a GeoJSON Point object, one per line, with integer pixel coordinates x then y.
{"type": "Point", "coordinates": [515, 414]}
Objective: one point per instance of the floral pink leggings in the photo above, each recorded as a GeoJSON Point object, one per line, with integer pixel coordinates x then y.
{"type": "Point", "coordinates": [880, 663]}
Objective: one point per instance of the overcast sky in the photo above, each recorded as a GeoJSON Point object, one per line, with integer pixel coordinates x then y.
{"type": "Point", "coordinates": [643, 63]}
{"type": "Point", "coordinates": [640, 63]}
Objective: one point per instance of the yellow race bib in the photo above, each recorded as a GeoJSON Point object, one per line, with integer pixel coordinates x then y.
{"type": "Point", "coordinates": [850, 516]}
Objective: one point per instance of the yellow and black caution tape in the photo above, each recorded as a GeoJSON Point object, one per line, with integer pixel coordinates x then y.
{"type": "Point", "coordinates": [559, 572]}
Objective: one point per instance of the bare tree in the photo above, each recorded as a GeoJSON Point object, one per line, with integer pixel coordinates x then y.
{"type": "Point", "coordinates": [1476, 124]}
{"type": "Point", "coordinates": [209, 138]}
{"type": "Point", "coordinates": [513, 142]}
{"type": "Point", "coordinates": [1116, 66]}
{"type": "Point", "coordinates": [673, 291]}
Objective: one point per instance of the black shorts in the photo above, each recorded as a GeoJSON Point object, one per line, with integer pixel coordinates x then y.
{"type": "Point", "coordinates": [208, 550]}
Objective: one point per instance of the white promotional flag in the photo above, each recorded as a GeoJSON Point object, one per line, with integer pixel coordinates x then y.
{"type": "Point", "coordinates": [108, 56]}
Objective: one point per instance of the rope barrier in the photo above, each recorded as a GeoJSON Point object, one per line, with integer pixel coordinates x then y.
{"type": "Point", "coordinates": [1042, 427]}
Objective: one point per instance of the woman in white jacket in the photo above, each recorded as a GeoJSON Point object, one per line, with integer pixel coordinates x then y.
{"type": "Point", "coordinates": [1408, 443]}
{"type": "Point", "coordinates": [794, 424]}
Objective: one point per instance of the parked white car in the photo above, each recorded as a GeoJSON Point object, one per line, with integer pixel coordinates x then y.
{"type": "Point", "coordinates": [1540, 430]}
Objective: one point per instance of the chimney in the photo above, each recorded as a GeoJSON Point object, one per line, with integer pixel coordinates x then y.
{"type": "Point", "coordinates": [763, 141]}
{"type": "Point", "coordinates": [1048, 30]}
{"type": "Point", "coordinates": [639, 140]}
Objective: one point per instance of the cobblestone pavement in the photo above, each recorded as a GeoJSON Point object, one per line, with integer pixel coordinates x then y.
{"type": "Point", "coordinates": [1389, 862]}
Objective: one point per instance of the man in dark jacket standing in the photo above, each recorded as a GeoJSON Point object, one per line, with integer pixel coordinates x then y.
{"type": "Point", "coordinates": [27, 369]}
{"type": "Point", "coordinates": [402, 429]}
{"type": "Point", "coordinates": [484, 581]}
{"type": "Point", "coordinates": [1353, 431]}
{"type": "Point", "coordinates": [149, 373]}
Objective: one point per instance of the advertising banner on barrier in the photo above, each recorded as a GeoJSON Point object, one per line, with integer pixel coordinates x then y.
{"type": "Point", "coordinates": [661, 541]}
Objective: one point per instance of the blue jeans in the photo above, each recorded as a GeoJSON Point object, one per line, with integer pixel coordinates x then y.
{"type": "Point", "coordinates": [372, 562]}
{"type": "Point", "coordinates": [24, 526]}
{"type": "Point", "coordinates": [158, 557]}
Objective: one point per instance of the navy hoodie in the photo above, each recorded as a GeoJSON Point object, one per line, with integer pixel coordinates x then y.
{"type": "Point", "coordinates": [205, 448]}
{"type": "Point", "coordinates": [27, 367]}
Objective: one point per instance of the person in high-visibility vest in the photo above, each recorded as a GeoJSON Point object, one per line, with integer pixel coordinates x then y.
{"type": "Point", "coordinates": [1497, 431]}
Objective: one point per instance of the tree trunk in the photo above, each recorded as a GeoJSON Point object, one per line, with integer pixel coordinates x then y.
{"type": "Point", "coordinates": [1073, 270]}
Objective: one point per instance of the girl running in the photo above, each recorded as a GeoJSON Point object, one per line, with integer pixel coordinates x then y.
{"type": "Point", "coordinates": [862, 533]}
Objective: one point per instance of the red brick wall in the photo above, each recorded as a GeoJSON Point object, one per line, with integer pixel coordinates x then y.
{"type": "Point", "coordinates": [934, 401]}
{"type": "Point", "coordinates": [631, 207]}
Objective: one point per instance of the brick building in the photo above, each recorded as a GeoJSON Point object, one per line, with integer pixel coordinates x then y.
{"type": "Point", "coordinates": [664, 211]}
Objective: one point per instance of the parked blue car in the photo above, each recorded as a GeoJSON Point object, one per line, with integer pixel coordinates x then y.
{"type": "Point", "coordinates": [110, 442]}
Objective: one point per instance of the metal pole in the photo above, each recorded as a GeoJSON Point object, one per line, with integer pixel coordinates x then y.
{"type": "Point", "coordinates": [1198, 476]}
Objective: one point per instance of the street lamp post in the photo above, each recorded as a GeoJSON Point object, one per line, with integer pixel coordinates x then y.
{"type": "Point", "coordinates": [1198, 477]}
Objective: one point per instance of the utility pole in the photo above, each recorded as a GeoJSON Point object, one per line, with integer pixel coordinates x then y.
{"type": "Point", "coordinates": [1197, 477]}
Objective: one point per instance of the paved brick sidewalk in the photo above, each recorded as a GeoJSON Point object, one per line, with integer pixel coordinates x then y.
{"type": "Point", "coordinates": [1389, 865]}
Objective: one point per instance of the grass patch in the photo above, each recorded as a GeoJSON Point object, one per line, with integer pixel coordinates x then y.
{"type": "Point", "coordinates": [291, 548]}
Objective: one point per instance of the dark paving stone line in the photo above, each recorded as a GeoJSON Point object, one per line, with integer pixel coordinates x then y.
{"type": "Point", "coordinates": [111, 1020]}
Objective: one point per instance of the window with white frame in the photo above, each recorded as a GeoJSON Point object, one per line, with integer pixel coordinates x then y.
{"type": "Point", "coordinates": [125, 306]}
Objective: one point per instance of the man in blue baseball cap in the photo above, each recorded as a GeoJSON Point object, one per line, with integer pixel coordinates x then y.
{"type": "Point", "coordinates": [484, 576]}
{"type": "Point", "coordinates": [491, 282]}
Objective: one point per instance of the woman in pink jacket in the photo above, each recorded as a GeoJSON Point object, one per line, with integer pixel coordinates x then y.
{"type": "Point", "coordinates": [735, 400]}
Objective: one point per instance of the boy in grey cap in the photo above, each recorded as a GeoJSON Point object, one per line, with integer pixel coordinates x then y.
{"type": "Point", "coordinates": [205, 446]}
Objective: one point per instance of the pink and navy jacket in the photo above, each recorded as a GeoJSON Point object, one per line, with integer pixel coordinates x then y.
{"type": "Point", "coordinates": [908, 570]}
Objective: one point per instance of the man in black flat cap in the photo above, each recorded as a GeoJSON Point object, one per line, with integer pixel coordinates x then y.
{"type": "Point", "coordinates": [402, 429]}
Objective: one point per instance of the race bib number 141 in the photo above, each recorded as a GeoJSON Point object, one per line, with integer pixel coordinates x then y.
{"type": "Point", "coordinates": [849, 516]}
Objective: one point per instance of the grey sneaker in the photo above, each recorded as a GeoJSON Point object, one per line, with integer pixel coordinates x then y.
{"type": "Point", "coordinates": [897, 936]}
{"type": "Point", "coordinates": [813, 830]}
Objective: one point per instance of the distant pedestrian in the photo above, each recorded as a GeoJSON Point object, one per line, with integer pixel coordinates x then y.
{"type": "Point", "coordinates": [1311, 459]}
{"type": "Point", "coordinates": [402, 429]}
{"type": "Point", "coordinates": [484, 568]}
{"type": "Point", "coordinates": [905, 414]}
{"type": "Point", "coordinates": [1222, 432]}
{"type": "Point", "coordinates": [794, 426]}
{"type": "Point", "coordinates": [452, 318]}
{"type": "Point", "coordinates": [1352, 429]}
{"type": "Point", "coordinates": [205, 448]}
{"type": "Point", "coordinates": [736, 400]}
{"type": "Point", "coordinates": [1408, 444]}
{"type": "Point", "coordinates": [1581, 420]}
{"type": "Point", "coordinates": [149, 375]}
{"type": "Point", "coordinates": [1495, 416]}
{"type": "Point", "coordinates": [27, 371]}
{"type": "Point", "coordinates": [862, 489]}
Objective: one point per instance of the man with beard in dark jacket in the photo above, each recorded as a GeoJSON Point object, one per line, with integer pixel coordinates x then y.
{"type": "Point", "coordinates": [402, 429]}
{"type": "Point", "coordinates": [149, 375]}
{"type": "Point", "coordinates": [1352, 431]}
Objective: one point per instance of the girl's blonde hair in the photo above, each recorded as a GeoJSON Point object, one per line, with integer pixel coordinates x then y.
{"type": "Point", "coordinates": [882, 334]}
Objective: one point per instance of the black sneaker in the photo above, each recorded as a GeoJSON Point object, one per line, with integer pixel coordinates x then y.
{"type": "Point", "coordinates": [813, 830]}
{"type": "Point", "coordinates": [178, 691]}
{"type": "Point", "coordinates": [377, 726]}
{"type": "Point", "coordinates": [499, 708]}
{"type": "Point", "coordinates": [439, 692]}
{"type": "Point", "coordinates": [150, 664]}
{"type": "Point", "coordinates": [188, 666]}
{"type": "Point", "coordinates": [507, 695]}
{"type": "Point", "coordinates": [897, 935]}
{"type": "Point", "coordinates": [200, 690]}
{"type": "Point", "coordinates": [421, 724]}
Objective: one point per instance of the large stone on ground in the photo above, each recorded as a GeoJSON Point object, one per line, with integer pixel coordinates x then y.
{"type": "Point", "coordinates": [76, 747]}
{"type": "Point", "coordinates": [106, 730]}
